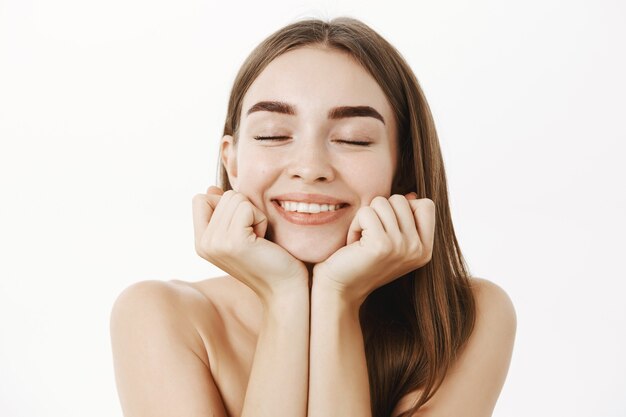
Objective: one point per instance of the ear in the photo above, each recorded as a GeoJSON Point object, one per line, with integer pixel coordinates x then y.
{"type": "Point", "coordinates": [228, 155]}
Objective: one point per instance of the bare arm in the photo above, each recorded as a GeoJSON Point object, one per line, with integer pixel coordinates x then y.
{"type": "Point", "coordinates": [338, 384]}
{"type": "Point", "coordinates": [279, 377]}
{"type": "Point", "coordinates": [229, 232]}
{"type": "Point", "coordinates": [338, 378]}
{"type": "Point", "coordinates": [383, 243]}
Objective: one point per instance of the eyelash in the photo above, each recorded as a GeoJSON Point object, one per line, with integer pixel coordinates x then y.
{"type": "Point", "coordinates": [350, 142]}
{"type": "Point", "coordinates": [270, 137]}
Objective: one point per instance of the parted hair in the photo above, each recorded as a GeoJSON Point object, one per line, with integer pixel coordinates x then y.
{"type": "Point", "coordinates": [415, 326]}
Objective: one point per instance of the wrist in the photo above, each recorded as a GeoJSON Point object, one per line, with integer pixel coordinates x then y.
{"type": "Point", "coordinates": [330, 292]}
{"type": "Point", "coordinates": [286, 294]}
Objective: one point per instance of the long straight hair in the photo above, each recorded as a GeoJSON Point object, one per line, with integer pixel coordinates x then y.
{"type": "Point", "coordinates": [414, 326]}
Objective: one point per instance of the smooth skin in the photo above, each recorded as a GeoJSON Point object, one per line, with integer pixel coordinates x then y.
{"type": "Point", "coordinates": [279, 335]}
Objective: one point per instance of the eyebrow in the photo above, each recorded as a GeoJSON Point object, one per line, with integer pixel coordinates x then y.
{"type": "Point", "coordinates": [334, 113]}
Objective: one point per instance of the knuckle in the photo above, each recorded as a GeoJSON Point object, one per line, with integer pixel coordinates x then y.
{"type": "Point", "coordinates": [427, 257]}
{"type": "Point", "coordinates": [382, 247]}
{"type": "Point", "coordinates": [378, 200]}
{"type": "Point", "coordinates": [229, 193]}
{"type": "Point", "coordinates": [201, 250]}
{"type": "Point", "coordinates": [227, 248]}
{"type": "Point", "coordinates": [205, 244]}
{"type": "Point", "coordinates": [397, 240]}
{"type": "Point", "coordinates": [413, 246]}
{"type": "Point", "coordinates": [425, 252]}
{"type": "Point", "coordinates": [202, 253]}
{"type": "Point", "coordinates": [427, 203]}
{"type": "Point", "coordinates": [396, 198]}
{"type": "Point", "coordinates": [246, 204]}
{"type": "Point", "coordinates": [198, 198]}
{"type": "Point", "coordinates": [239, 198]}
{"type": "Point", "coordinates": [213, 246]}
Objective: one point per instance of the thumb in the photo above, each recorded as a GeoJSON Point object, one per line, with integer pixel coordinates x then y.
{"type": "Point", "coordinates": [259, 222]}
{"type": "Point", "coordinates": [354, 231]}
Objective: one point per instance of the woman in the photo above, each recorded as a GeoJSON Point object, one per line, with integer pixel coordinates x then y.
{"type": "Point", "coordinates": [347, 292]}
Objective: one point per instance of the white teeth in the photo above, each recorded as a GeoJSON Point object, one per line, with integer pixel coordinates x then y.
{"type": "Point", "coordinates": [301, 207]}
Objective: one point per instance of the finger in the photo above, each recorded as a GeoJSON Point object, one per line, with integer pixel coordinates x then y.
{"type": "Point", "coordinates": [364, 224]}
{"type": "Point", "coordinates": [225, 209]}
{"type": "Point", "coordinates": [404, 215]}
{"type": "Point", "coordinates": [246, 216]}
{"type": "Point", "coordinates": [260, 221]}
{"type": "Point", "coordinates": [214, 194]}
{"type": "Point", "coordinates": [387, 216]}
{"type": "Point", "coordinates": [202, 212]}
{"type": "Point", "coordinates": [203, 207]}
{"type": "Point", "coordinates": [214, 190]}
{"type": "Point", "coordinates": [424, 214]}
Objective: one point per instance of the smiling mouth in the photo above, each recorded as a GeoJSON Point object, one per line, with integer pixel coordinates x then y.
{"type": "Point", "coordinates": [309, 214]}
{"type": "Point", "coordinates": [310, 208]}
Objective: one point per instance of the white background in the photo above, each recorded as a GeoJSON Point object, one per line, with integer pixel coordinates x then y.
{"type": "Point", "coordinates": [110, 116]}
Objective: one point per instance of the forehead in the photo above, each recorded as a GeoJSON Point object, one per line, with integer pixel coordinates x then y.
{"type": "Point", "coordinates": [315, 79]}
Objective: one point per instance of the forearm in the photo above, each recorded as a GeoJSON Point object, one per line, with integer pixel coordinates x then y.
{"type": "Point", "coordinates": [278, 380]}
{"type": "Point", "coordinates": [338, 383]}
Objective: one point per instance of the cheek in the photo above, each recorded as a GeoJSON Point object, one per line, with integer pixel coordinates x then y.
{"type": "Point", "coordinates": [374, 178]}
{"type": "Point", "coordinates": [251, 179]}
{"type": "Point", "coordinates": [255, 174]}
{"type": "Point", "coordinates": [256, 160]}
{"type": "Point", "coordinates": [382, 189]}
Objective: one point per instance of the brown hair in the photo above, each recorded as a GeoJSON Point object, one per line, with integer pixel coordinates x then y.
{"type": "Point", "coordinates": [414, 326]}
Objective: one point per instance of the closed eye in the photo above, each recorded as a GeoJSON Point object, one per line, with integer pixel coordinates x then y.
{"type": "Point", "coordinates": [348, 142]}
{"type": "Point", "coordinates": [354, 142]}
{"type": "Point", "coordinates": [271, 137]}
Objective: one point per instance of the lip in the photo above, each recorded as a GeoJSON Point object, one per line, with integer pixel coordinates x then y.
{"type": "Point", "coordinates": [309, 219]}
{"type": "Point", "coordinates": [309, 198]}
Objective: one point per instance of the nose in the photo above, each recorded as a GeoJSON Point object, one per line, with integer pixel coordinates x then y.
{"type": "Point", "coordinates": [310, 162]}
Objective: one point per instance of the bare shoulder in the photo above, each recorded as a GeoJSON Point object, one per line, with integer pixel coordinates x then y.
{"type": "Point", "coordinates": [475, 379]}
{"type": "Point", "coordinates": [159, 350]}
{"type": "Point", "coordinates": [237, 305]}
{"type": "Point", "coordinates": [494, 305]}
{"type": "Point", "coordinates": [474, 382]}
{"type": "Point", "coordinates": [167, 296]}
{"type": "Point", "coordinates": [173, 304]}
{"type": "Point", "coordinates": [202, 309]}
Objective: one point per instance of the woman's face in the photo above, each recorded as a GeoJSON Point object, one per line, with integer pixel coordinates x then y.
{"type": "Point", "coordinates": [330, 152]}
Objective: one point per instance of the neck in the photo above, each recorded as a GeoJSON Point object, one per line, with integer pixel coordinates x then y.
{"type": "Point", "coordinates": [309, 267]}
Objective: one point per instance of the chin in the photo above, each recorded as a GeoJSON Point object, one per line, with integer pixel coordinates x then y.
{"type": "Point", "coordinates": [310, 252]}
{"type": "Point", "coordinates": [311, 255]}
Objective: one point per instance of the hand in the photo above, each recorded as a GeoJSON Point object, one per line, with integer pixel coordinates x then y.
{"type": "Point", "coordinates": [229, 232]}
{"type": "Point", "coordinates": [386, 240]}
